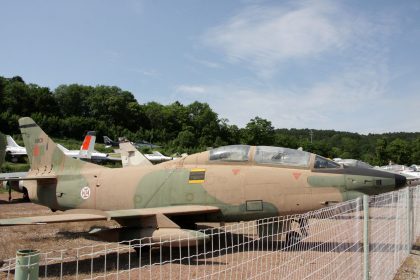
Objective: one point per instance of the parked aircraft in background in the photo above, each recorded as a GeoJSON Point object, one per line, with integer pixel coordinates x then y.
{"type": "Point", "coordinates": [87, 151]}
{"type": "Point", "coordinates": [353, 162]}
{"type": "Point", "coordinates": [412, 173]}
{"type": "Point", "coordinates": [141, 144]}
{"type": "Point", "coordinates": [155, 157]}
{"type": "Point", "coordinates": [130, 156]}
{"type": "Point", "coordinates": [13, 150]}
{"type": "Point", "coordinates": [227, 184]}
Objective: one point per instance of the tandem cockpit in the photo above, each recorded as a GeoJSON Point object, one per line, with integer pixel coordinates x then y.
{"type": "Point", "coordinates": [265, 155]}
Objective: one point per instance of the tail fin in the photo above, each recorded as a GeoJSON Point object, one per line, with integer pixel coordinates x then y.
{"type": "Point", "coordinates": [108, 141]}
{"type": "Point", "coordinates": [11, 142]}
{"type": "Point", "coordinates": [43, 153]}
{"type": "Point", "coordinates": [130, 156]}
{"type": "Point", "coordinates": [2, 148]}
{"type": "Point", "coordinates": [88, 145]}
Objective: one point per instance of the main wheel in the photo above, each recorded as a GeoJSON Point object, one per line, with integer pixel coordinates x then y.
{"type": "Point", "coordinates": [293, 238]}
{"type": "Point", "coordinates": [142, 251]}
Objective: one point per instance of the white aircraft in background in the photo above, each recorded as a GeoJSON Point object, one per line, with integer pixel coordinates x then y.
{"type": "Point", "coordinates": [412, 173]}
{"type": "Point", "coordinates": [352, 162]}
{"type": "Point", "coordinates": [130, 156]}
{"type": "Point", "coordinates": [13, 150]}
{"type": "Point", "coordinates": [87, 151]}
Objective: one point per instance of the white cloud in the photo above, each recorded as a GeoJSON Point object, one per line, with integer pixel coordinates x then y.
{"type": "Point", "coordinates": [205, 62]}
{"type": "Point", "coordinates": [266, 36]}
{"type": "Point", "coordinates": [190, 89]}
{"type": "Point", "coordinates": [345, 101]}
{"type": "Point", "coordinates": [348, 47]}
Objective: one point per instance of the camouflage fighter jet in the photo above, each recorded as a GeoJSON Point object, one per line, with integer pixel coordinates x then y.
{"type": "Point", "coordinates": [226, 184]}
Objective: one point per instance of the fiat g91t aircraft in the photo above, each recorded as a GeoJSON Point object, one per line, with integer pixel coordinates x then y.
{"type": "Point", "coordinates": [226, 184]}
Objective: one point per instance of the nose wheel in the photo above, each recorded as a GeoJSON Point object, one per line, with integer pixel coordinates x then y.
{"type": "Point", "coordinates": [294, 237]}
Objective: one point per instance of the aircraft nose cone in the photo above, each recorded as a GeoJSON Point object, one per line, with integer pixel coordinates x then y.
{"type": "Point", "coordinates": [400, 181]}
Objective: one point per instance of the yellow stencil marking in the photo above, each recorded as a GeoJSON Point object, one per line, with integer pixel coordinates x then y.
{"type": "Point", "coordinates": [197, 176]}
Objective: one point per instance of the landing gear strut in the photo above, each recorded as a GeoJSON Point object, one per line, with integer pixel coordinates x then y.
{"type": "Point", "coordinates": [294, 237]}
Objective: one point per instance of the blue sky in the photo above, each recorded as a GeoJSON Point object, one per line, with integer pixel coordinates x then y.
{"type": "Point", "coordinates": [343, 65]}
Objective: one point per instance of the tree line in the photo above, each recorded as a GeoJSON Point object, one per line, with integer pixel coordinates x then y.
{"type": "Point", "coordinates": [70, 110]}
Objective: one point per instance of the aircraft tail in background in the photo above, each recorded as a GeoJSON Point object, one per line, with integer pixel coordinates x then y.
{"type": "Point", "coordinates": [11, 142]}
{"type": "Point", "coordinates": [88, 145]}
{"type": "Point", "coordinates": [110, 143]}
{"type": "Point", "coordinates": [130, 156]}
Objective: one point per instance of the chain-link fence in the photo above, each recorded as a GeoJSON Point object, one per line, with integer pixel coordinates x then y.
{"type": "Point", "coordinates": [343, 241]}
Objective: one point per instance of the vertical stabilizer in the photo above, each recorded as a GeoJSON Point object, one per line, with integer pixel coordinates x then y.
{"type": "Point", "coordinates": [130, 156]}
{"type": "Point", "coordinates": [88, 145]}
{"type": "Point", "coordinates": [11, 142]}
{"type": "Point", "coordinates": [43, 153]}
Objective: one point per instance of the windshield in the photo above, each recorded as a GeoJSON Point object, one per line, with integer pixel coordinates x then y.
{"type": "Point", "coordinates": [230, 153]}
{"type": "Point", "coordinates": [281, 156]}
{"type": "Point", "coordinates": [321, 162]}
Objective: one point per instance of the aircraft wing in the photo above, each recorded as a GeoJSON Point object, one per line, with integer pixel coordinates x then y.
{"type": "Point", "coordinates": [59, 218]}
{"type": "Point", "coordinates": [168, 210]}
{"type": "Point", "coordinates": [79, 215]}
{"type": "Point", "coordinates": [17, 176]}
{"type": "Point", "coordinates": [12, 176]}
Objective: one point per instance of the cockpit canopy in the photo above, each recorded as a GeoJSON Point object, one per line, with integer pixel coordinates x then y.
{"type": "Point", "coordinates": [230, 153]}
{"type": "Point", "coordinates": [263, 155]}
{"type": "Point", "coordinates": [281, 156]}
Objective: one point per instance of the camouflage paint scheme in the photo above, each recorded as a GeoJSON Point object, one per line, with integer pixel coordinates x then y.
{"type": "Point", "coordinates": [191, 189]}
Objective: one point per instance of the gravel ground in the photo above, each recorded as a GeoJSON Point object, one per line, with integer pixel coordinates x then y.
{"type": "Point", "coordinates": [410, 269]}
{"type": "Point", "coordinates": [239, 262]}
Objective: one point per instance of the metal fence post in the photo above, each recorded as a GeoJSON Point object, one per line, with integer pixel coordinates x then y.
{"type": "Point", "coordinates": [27, 265]}
{"type": "Point", "coordinates": [410, 218]}
{"type": "Point", "coordinates": [366, 264]}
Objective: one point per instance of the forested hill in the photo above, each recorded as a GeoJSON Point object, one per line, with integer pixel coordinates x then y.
{"type": "Point", "coordinates": [70, 110]}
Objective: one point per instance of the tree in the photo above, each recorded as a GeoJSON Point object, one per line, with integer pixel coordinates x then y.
{"type": "Point", "coordinates": [258, 132]}
{"type": "Point", "coordinates": [399, 151]}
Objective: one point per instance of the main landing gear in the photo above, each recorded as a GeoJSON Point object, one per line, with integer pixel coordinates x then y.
{"type": "Point", "coordinates": [293, 237]}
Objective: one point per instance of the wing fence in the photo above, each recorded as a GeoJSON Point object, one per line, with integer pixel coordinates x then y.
{"type": "Point", "coordinates": [323, 244]}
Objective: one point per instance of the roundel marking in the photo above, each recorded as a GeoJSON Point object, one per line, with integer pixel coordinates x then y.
{"type": "Point", "coordinates": [85, 192]}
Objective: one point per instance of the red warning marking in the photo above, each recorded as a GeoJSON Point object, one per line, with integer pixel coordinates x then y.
{"type": "Point", "coordinates": [296, 175]}
{"type": "Point", "coordinates": [236, 171]}
{"type": "Point", "coordinates": [35, 152]}
{"type": "Point", "coordinates": [86, 142]}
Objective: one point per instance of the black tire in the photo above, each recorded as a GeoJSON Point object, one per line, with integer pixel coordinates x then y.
{"type": "Point", "coordinates": [25, 195]}
{"type": "Point", "coordinates": [293, 238]}
{"type": "Point", "coordinates": [142, 251]}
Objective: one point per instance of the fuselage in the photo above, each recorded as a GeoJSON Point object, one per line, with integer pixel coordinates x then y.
{"type": "Point", "coordinates": [256, 183]}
